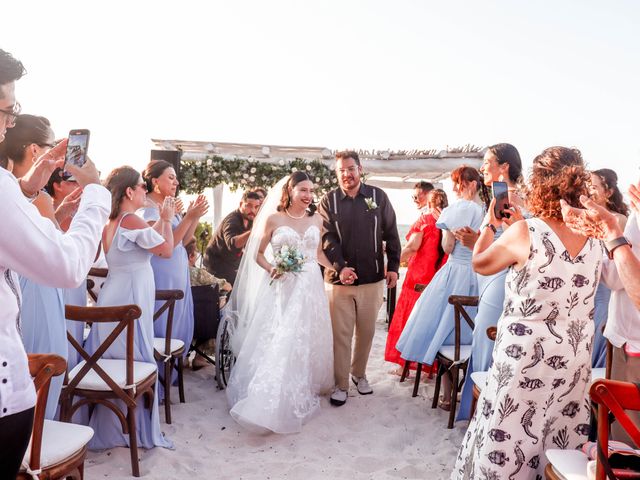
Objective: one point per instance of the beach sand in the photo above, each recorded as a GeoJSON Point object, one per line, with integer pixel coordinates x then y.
{"type": "Point", "coordinates": [387, 435]}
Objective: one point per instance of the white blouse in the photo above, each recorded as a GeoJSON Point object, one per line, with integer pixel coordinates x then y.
{"type": "Point", "coordinates": [31, 246]}
{"type": "Point", "coordinates": [623, 323]}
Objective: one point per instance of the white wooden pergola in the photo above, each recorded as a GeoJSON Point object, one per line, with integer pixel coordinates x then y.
{"type": "Point", "coordinates": [384, 168]}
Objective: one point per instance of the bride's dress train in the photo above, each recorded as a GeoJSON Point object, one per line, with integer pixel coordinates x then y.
{"type": "Point", "coordinates": [286, 359]}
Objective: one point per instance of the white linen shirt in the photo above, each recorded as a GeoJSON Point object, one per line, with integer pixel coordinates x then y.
{"type": "Point", "coordinates": [623, 323]}
{"type": "Point", "coordinates": [31, 246]}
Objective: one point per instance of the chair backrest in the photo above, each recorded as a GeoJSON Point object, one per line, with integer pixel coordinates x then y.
{"type": "Point", "coordinates": [43, 367]}
{"type": "Point", "coordinates": [206, 311]}
{"type": "Point", "coordinates": [615, 397]}
{"type": "Point", "coordinates": [459, 303]}
{"type": "Point", "coordinates": [124, 316]}
{"type": "Point", "coordinates": [91, 284]}
{"type": "Point", "coordinates": [169, 297]}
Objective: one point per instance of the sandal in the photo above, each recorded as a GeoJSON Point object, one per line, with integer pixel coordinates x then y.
{"type": "Point", "coordinates": [444, 404]}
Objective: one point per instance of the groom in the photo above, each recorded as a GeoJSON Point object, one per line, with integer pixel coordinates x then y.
{"type": "Point", "coordinates": [357, 218]}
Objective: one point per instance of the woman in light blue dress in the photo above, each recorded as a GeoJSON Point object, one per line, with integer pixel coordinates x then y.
{"type": "Point", "coordinates": [502, 163]}
{"type": "Point", "coordinates": [42, 315]}
{"type": "Point", "coordinates": [172, 273]}
{"type": "Point", "coordinates": [430, 324]}
{"type": "Point", "coordinates": [129, 244]}
{"type": "Point", "coordinates": [604, 190]}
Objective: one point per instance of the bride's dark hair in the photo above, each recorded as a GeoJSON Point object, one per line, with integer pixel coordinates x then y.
{"type": "Point", "coordinates": [294, 179]}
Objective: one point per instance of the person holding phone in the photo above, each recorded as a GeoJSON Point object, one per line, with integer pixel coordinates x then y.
{"type": "Point", "coordinates": [172, 273]}
{"type": "Point", "coordinates": [501, 166]}
{"type": "Point", "coordinates": [33, 247]}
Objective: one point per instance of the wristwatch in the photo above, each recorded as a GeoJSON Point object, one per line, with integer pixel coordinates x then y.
{"type": "Point", "coordinates": [611, 245]}
{"type": "Point", "coordinates": [491, 226]}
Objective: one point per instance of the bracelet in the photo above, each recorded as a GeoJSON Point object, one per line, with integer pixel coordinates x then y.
{"type": "Point", "coordinates": [491, 226]}
{"type": "Point", "coordinates": [31, 198]}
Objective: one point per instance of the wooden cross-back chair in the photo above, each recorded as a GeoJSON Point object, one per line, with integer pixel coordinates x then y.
{"type": "Point", "coordinates": [453, 359]}
{"type": "Point", "coordinates": [169, 350]}
{"type": "Point", "coordinates": [57, 449]}
{"type": "Point", "coordinates": [100, 381]}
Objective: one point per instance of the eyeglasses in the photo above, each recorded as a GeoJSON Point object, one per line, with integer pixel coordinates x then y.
{"type": "Point", "coordinates": [13, 113]}
{"type": "Point", "coordinates": [414, 197]}
{"type": "Point", "coordinates": [342, 171]}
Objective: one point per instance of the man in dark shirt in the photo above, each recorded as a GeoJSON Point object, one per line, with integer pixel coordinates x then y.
{"type": "Point", "coordinates": [357, 219]}
{"type": "Point", "coordinates": [224, 252]}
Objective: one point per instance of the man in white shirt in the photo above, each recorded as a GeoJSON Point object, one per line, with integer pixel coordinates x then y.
{"type": "Point", "coordinates": [31, 246]}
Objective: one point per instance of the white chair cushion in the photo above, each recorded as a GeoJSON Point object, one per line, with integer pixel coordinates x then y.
{"type": "Point", "coordinates": [598, 373]}
{"type": "Point", "coordinates": [479, 379]}
{"type": "Point", "coordinates": [116, 369]}
{"type": "Point", "coordinates": [59, 441]}
{"type": "Point", "coordinates": [158, 344]}
{"type": "Point", "coordinates": [568, 464]}
{"type": "Point", "coordinates": [448, 351]}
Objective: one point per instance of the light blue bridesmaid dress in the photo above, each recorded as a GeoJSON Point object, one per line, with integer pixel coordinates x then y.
{"type": "Point", "coordinates": [130, 281]}
{"type": "Point", "coordinates": [78, 297]}
{"type": "Point", "coordinates": [599, 352]}
{"type": "Point", "coordinates": [172, 274]}
{"type": "Point", "coordinates": [430, 324]}
{"type": "Point", "coordinates": [44, 330]}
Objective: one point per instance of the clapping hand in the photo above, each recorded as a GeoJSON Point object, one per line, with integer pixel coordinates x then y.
{"type": "Point", "coordinates": [592, 221]}
{"type": "Point", "coordinates": [179, 205]}
{"type": "Point", "coordinates": [198, 208]}
{"type": "Point", "coordinates": [348, 276]}
{"type": "Point", "coordinates": [168, 209]}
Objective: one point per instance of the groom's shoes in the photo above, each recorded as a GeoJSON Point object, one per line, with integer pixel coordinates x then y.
{"type": "Point", "coordinates": [363, 385]}
{"type": "Point", "coordinates": [338, 397]}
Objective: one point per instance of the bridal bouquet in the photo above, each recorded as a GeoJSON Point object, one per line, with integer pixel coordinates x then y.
{"type": "Point", "coordinates": [288, 260]}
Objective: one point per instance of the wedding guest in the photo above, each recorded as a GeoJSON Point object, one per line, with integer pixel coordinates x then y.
{"type": "Point", "coordinates": [224, 251]}
{"type": "Point", "coordinates": [43, 323]}
{"type": "Point", "coordinates": [424, 256]}
{"type": "Point", "coordinates": [501, 163]}
{"type": "Point", "coordinates": [31, 246]}
{"type": "Point", "coordinates": [536, 393]}
{"type": "Point", "coordinates": [172, 272]}
{"type": "Point", "coordinates": [199, 276]}
{"type": "Point", "coordinates": [261, 192]}
{"type": "Point", "coordinates": [66, 193]}
{"type": "Point", "coordinates": [420, 195]}
{"type": "Point", "coordinates": [357, 218]}
{"type": "Point", "coordinates": [604, 190]}
{"type": "Point", "coordinates": [430, 324]}
{"type": "Point", "coordinates": [129, 244]}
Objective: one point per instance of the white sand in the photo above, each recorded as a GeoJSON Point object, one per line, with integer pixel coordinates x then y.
{"type": "Point", "coordinates": [387, 435]}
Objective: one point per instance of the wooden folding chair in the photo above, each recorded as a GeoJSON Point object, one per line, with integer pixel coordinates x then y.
{"type": "Point", "coordinates": [91, 284]}
{"type": "Point", "coordinates": [100, 381]}
{"type": "Point", "coordinates": [454, 358]}
{"type": "Point", "coordinates": [56, 449]}
{"type": "Point", "coordinates": [169, 350]}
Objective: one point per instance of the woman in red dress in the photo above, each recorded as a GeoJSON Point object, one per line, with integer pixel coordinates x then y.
{"type": "Point", "coordinates": [425, 256]}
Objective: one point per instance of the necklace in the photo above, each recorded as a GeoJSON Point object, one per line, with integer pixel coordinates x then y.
{"type": "Point", "coordinates": [297, 218]}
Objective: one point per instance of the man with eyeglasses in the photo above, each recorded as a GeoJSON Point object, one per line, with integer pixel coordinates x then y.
{"type": "Point", "coordinates": [31, 246]}
{"type": "Point", "coordinates": [357, 219]}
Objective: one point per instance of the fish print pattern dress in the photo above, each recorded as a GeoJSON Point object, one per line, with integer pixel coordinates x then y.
{"type": "Point", "coordinates": [536, 395]}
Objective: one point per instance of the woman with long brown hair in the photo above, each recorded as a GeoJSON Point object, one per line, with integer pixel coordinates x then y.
{"type": "Point", "coordinates": [430, 324]}
{"type": "Point", "coordinates": [537, 388]}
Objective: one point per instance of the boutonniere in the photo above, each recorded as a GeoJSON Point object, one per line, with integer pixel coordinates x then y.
{"type": "Point", "coordinates": [371, 204]}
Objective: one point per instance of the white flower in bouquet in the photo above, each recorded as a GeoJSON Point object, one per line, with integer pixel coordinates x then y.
{"type": "Point", "coordinates": [288, 260]}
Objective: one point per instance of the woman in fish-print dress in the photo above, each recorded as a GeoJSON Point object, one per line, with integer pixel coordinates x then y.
{"type": "Point", "coordinates": [536, 395]}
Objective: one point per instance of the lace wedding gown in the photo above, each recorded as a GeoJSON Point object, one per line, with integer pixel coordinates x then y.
{"type": "Point", "coordinates": [286, 360]}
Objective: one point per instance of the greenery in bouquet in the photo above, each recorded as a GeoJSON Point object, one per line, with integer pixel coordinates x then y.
{"type": "Point", "coordinates": [288, 260]}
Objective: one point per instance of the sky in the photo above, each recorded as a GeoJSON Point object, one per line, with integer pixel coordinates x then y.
{"type": "Point", "coordinates": [339, 74]}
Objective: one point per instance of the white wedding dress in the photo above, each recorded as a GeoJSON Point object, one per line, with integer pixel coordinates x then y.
{"type": "Point", "coordinates": [286, 359]}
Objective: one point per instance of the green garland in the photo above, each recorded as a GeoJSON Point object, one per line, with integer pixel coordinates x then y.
{"type": "Point", "coordinates": [239, 173]}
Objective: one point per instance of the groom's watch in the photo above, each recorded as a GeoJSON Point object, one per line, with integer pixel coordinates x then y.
{"type": "Point", "coordinates": [611, 245]}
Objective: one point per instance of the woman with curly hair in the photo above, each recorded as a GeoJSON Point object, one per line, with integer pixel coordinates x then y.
{"type": "Point", "coordinates": [430, 324]}
{"type": "Point", "coordinates": [603, 190]}
{"type": "Point", "coordinates": [536, 391]}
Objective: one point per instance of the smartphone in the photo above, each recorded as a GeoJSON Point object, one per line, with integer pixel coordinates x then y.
{"type": "Point", "coordinates": [77, 147]}
{"type": "Point", "coordinates": [501, 194]}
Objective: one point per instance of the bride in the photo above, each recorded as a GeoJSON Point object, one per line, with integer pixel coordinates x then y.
{"type": "Point", "coordinates": [282, 336]}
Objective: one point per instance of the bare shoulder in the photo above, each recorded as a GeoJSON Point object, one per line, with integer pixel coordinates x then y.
{"type": "Point", "coordinates": [133, 222]}
{"type": "Point", "coordinates": [317, 219]}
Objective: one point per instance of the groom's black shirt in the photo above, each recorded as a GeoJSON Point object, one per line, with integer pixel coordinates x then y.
{"type": "Point", "coordinates": [354, 232]}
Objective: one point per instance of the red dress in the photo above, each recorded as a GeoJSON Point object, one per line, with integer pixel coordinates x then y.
{"type": "Point", "coordinates": [421, 269]}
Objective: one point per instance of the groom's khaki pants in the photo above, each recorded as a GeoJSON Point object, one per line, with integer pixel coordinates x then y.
{"type": "Point", "coordinates": [353, 307]}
